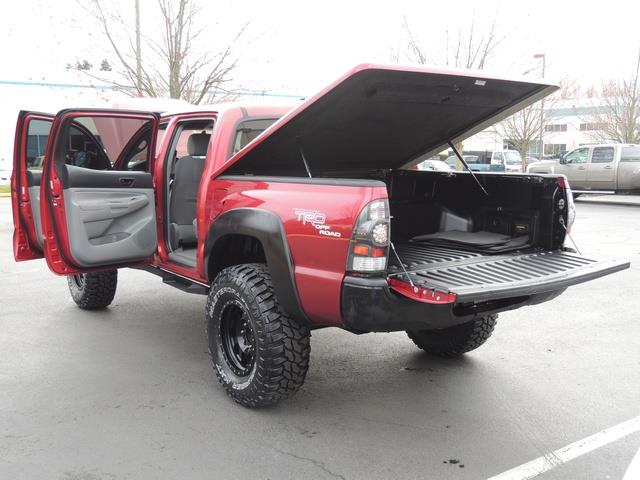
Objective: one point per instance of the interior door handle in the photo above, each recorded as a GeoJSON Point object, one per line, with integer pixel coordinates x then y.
{"type": "Point", "coordinates": [128, 181]}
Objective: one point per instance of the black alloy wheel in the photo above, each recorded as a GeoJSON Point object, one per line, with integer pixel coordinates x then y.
{"type": "Point", "coordinates": [238, 339]}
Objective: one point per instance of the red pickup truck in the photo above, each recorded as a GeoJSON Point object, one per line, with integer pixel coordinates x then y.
{"type": "Point", "coordinates": [296, 219]}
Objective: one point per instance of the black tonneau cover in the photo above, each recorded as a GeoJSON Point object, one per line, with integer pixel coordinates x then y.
{"type": "Point", "coordinates": [382, 117]}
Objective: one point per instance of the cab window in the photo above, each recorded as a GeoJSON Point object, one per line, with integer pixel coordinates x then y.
{"type": "Point", "coordinates": [99, 143]}
{"type": "Point", "coordinates": [37, 136]}
{"type": "Point", "coordinates": [247, 131]}
{"type": "Point", "coordinates": [578, 156]}
{"type": "Point", "coordinates": [602, 155]}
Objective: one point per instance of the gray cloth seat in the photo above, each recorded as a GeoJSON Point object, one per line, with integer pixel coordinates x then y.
{"type": "Point", "coordinates": [184, 191]}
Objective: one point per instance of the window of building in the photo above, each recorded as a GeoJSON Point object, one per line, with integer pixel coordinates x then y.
{"type": "Point", "coordinates": [556, 127]}
{"type": "Point", "coordinates": [588, 127]}
{"type": "Point", "coordinates": [554, 148]}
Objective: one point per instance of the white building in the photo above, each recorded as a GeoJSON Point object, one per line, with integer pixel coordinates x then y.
{"type": "Point", "coordinates": [568, 124]}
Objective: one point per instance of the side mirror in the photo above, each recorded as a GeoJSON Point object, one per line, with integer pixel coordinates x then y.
{"type": "Point", "coordinates": [562, 160]}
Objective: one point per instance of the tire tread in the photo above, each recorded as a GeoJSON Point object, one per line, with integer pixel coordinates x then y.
{"type": "Point", "coordinates": [455, 341]}
{"type": "Point", "coordinates": [283, 354]}
{"type": "Point", "coordinates": [98, 291]}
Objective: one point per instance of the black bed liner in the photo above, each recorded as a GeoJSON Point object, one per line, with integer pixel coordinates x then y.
{"type": "Point", "coordinates": [475, 276]}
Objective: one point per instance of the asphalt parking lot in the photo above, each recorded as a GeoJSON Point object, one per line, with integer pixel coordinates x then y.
{"type": "Point", "coordinates": [129, 392]}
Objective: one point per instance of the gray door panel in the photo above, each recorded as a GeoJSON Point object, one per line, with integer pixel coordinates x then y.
{"type": "Point", "coordinates": [110, 225]}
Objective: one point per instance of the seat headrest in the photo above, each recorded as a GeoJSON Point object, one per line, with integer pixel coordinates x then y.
{"type": "Point", "coordinates": [197, 144]}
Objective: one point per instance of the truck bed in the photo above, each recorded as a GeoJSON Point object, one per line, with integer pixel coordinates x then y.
{"type": "Point", "coordinates": [476, 276]}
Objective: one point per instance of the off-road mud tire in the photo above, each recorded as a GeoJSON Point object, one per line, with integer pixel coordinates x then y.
{"type": "Point", "coordinates": [93, 291]}
{"type": "Point", "coordinates": [455, 341]}
{"type": "Point", "coordinates": [280, 345]}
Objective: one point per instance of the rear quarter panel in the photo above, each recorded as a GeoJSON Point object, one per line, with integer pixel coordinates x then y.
{"type": "Point", "coordinates": [305, 209]}
{"type": "Point", "coordinates": [628, 174]}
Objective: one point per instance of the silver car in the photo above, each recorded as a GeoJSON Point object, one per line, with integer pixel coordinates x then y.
{"type": "Point", "coordinates": [597, 168]}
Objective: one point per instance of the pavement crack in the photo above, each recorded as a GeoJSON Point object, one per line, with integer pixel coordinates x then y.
{"type": "Point", "coordinates": [315, 462]}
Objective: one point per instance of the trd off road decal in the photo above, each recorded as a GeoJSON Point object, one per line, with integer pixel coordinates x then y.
{"type": "Point", "coordinates": [317, 219]}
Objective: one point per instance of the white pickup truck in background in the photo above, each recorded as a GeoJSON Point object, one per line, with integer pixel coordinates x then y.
{"type": "Point", "coordinates": [604, 168]}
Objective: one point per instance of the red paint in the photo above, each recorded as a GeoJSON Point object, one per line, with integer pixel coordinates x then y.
{"type": "Point", "coordinates": [25, 243]}
{"type": "Point", "coordinates": [424, 295]}
{"type": "Point", "coordinates": [319, 259]}
{"type": "Point", "coordinates": [54, 223]}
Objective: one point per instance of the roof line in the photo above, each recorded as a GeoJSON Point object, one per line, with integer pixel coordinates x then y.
{"type": "Point", "coordinates": [246, 93]}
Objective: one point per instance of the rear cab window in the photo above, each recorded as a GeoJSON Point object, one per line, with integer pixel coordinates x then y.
{"type": "Point", "coordinates": [247, 131]}
{"type": "Point", "coordinates": [602, 155]}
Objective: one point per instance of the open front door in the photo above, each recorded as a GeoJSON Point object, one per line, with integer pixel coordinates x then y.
{"type": "Point", "coordinates": [32, 133]}
{"type": "Point", "coordinates": [96, 217]}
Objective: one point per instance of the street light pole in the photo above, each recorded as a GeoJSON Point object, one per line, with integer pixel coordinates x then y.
{"type": "Point", "coordinates": [540, 142]}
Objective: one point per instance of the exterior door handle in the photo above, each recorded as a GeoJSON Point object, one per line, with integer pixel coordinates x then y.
{"type": "Point", "coordinates": [608, 167]}
{"type": "Point", "coordinates": [127, 181]}
{"type": "Point", "coordinates": [580, 168]}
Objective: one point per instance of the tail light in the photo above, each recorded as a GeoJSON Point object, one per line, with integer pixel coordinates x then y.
{"type": "Point", "coordinates": [571, 206]}
{"type": "Point", "coordinates": [369, 247]}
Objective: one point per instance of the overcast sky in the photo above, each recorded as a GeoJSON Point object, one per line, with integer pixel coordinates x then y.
{"type": "Point", "coordinates": [297, 47]}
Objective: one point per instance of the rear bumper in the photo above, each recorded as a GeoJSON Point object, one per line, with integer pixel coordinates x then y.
{"type": "Point", "coordinates": [369, 305]}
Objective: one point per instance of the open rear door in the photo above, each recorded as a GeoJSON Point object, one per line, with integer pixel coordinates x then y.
{"type": "Point", "coordinates": [95, 217]}
{"type": "Point", "coordinates": [32, 133]}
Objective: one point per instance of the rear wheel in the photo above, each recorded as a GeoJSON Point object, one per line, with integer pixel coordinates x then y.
{"type": "Point", "coordinates": [455, 341]}
{"type": "Point", "coordinates": [259, 354]}
{"type": "Point", "coordinates": [92, 291]}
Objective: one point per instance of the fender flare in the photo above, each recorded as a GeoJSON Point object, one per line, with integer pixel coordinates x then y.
{"type": "Point", "coordinates": [268, 229]}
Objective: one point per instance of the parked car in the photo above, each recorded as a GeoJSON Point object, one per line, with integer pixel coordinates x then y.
{"type": "Point", "coordinates": [435, 165]}
{"type": "Point", "coordinates": [294, 220]}
{"type": "Point", "coordinates": [610, 168]}
{"type": "Point", "coordinates": [509, 160]}
{"type": "Point", "coordinates": [452, 160]}
{"type": "Point", "coordinates": [474, 164]}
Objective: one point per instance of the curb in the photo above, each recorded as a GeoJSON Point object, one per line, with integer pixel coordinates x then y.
{"type": "Point", "coordinates": [595, 201]}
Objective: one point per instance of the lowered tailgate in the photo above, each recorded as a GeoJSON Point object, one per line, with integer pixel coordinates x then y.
{"type": "Point", "coordinates": [477, 277]}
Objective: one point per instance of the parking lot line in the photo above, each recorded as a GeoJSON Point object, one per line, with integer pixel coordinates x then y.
{"type": "Point", "coordinates": [565, 454]}
{"type": "Point", "coordinates": [633, 470]}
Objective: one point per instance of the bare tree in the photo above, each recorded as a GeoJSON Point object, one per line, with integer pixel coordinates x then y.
{"type": "Point", "coordinates": [522, 129]}
{"type": "Point", "coordinates": [170, 64]}
{"type": "Point", "coordinates": [619, 102]}
{"type": "Point", "coordinates": [468, 47]}
{"type": "Point", "coordinates": [569, 88]}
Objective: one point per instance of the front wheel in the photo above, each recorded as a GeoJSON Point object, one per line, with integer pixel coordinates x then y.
{"type": "Point", "coordinates": [92, 291]}
{"type": "Point", "coordinates": [455, 341]}
{"type": "Point", "coordinates": [259, 354]}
